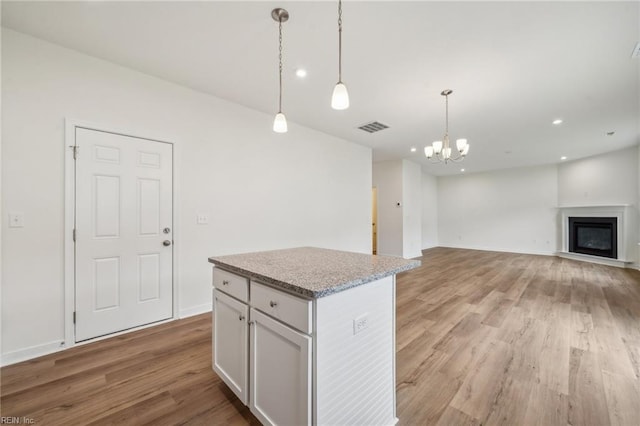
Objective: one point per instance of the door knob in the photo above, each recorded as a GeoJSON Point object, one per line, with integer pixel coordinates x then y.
{"type": "Point", "coordinates": [166, 243]}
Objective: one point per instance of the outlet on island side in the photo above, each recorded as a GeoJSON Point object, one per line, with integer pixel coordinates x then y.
{"type": "Point", "coordinates": [360, 323]}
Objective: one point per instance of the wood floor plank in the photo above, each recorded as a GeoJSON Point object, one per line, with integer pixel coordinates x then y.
{"type": "Point", "coordinates": [482, 338]}
{"type": "Point", "coordinates": [587, 400]}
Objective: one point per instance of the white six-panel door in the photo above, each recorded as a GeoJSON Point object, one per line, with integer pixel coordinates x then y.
{"type": "Point", "coordinates": [124, 228]}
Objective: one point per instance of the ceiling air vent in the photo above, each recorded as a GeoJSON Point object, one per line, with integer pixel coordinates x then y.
{"type": "Point", "coordinates": [636, 51]}
{"type": "Point", "coordinates": [373, 127]}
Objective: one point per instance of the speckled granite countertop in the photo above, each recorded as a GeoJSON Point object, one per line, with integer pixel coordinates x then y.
{"type": "Point", "coordinates": [313, 272]}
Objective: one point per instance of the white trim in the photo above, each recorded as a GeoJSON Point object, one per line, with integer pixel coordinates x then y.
{"type": "Point", "coordinates": [500, 250]}
{"type": "Point", "coordinates": [31, 352]}
{"type": "Point", "coordinates": [196, 310]}
{"type": "Point", "coordinates": [622, 212]}
{"type": "Point", "coordinates": [594, 259]}
{"type": "Point", "coordinates": [69, 221]}
{"type": "Point", "coordinates": [121, 332]}
{"type": "Point", "coordinates": [417, 253]}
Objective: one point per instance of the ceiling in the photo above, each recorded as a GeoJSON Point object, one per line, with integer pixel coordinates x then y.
{"type": "Point", "coordinates": [513, 67]}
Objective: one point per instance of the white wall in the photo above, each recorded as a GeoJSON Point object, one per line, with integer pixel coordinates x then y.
{"type": "Point", "coordinates": [261, 190]}
{"type": "Point", "coordinates": [508, 210]}
{"type": "Point", "coordinates": [387, 178]}
{"type": "Point", "coordinates": [610, 178]}
{"type": "Point", "coordinates": [411, 209]}
{"type": "Point", "coordinates": [429, 211]}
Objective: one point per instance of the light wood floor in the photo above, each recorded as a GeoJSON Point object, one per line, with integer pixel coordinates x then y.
{"type": "Point", "coordinates": [482, 338]}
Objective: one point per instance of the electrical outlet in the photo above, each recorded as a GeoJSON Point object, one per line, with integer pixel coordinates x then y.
{"type": "Point", "coordinates": [360, 323]}
{"type": "Point", "coordinates": [202, 218]}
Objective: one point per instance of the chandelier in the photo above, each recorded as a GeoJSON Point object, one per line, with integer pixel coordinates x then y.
{"type": "Point", "coordinates": [440, 151]}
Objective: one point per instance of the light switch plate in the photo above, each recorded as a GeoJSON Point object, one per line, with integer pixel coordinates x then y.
{"type": "Point", "coordinates": [16, 220]}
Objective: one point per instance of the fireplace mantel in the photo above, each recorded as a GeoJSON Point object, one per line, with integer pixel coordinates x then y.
{"type": "Point", "coordinates": [625, 246]}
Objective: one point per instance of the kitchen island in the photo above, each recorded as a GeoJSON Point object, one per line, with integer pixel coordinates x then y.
{"type": "Point", "coordinates": [307, 335]}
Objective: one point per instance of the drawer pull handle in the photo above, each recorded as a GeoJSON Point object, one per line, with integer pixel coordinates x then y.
{"type": "Point", "coordinates": [225, 282]}
{"type": "Point", "coordinates": [273, 304]}
{"type": "Point", "coordinates": [241, 317]}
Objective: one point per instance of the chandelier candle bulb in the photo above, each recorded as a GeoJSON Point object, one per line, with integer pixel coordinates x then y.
{"type": "Point", "coordinates": [428, 151]}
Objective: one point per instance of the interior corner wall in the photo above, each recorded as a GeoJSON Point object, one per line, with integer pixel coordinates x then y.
{"type": "Point", "coordinates": [261, 190]}
{"type": "Point", "coordinates": [510, 210]}
{"type": "Point", "coordinates": [411, 209]}
{"type": "Point", "coordinates": [612, 178]}
{"type": "Point", "coordinates": [387, 178]}
{"type": "Point", "coordinates": [429, 211]}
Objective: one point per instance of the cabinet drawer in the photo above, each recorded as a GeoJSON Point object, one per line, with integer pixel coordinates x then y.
{"type": "Point", "coordinates": [232, 284]}
{"type": "Point", "coordinates": [292, 310]}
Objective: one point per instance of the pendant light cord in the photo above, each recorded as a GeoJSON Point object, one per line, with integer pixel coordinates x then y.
{"type": "Point", "coordinates": [339, 41]}
{"type": "Point", "coordinates": [280, 63]}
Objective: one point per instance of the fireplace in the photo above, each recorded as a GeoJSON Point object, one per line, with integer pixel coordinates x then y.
{"type": "Point", "coordinates": [596, 236]}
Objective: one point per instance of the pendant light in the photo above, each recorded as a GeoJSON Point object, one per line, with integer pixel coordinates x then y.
{"type": "Point", "coordinates": [440, 151]}
{"type": "Point", "coordinates": [280, 122]}
{"type": "Point", "coordinates": [340, 97]}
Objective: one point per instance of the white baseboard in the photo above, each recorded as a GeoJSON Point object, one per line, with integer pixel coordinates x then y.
{"type": "Point", "coordinates": [58, 345]}
{"type": "Point", "coordinates": [414, 255]}
{"type": "Point", "coordinates": [595, 259]}
{"type": "Point", "coordinates": [499, 250]}
{"type": "Point", "coordinates": [31, 352]}
{"type": "Point", "coordinates": [195, 310]}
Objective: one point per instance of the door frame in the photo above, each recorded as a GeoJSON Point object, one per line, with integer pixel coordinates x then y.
{"type": "Point", "coordinates": [69, 223]}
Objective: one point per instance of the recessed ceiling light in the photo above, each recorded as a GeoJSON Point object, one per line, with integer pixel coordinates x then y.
{"type": "Point", "coordinates": [413, 149]}
{"type": "Point", "coordinates": [557, 121]}
{"type": "Point", "coordinates": [301, 72]}
{"type": "Point", "coordinates": [563, 158]}
{"type": "Point", "coordinates": [462, 170]}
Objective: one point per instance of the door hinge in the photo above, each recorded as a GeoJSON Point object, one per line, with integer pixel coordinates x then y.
{"type": "Point", "coordinates": [74, 317]}
{"type": "Point", "coordinates": [74, 235]}
{"type": "Point", "coordinates": [75, 149]}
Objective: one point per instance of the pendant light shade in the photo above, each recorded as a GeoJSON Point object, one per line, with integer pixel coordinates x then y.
{"type": "Point", "coordinates": [340, 97]}
{"type": "Point", "coordinates": [280, 122]}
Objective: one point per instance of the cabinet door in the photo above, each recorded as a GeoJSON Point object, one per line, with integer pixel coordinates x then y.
{"type": "Point", "coordinates": [280, 379]}
{"type": "Point", "coordinates": [230, 339]}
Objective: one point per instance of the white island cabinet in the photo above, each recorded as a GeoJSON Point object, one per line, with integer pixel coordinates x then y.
{"type": "Point", "coordinates": [306, 336]}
